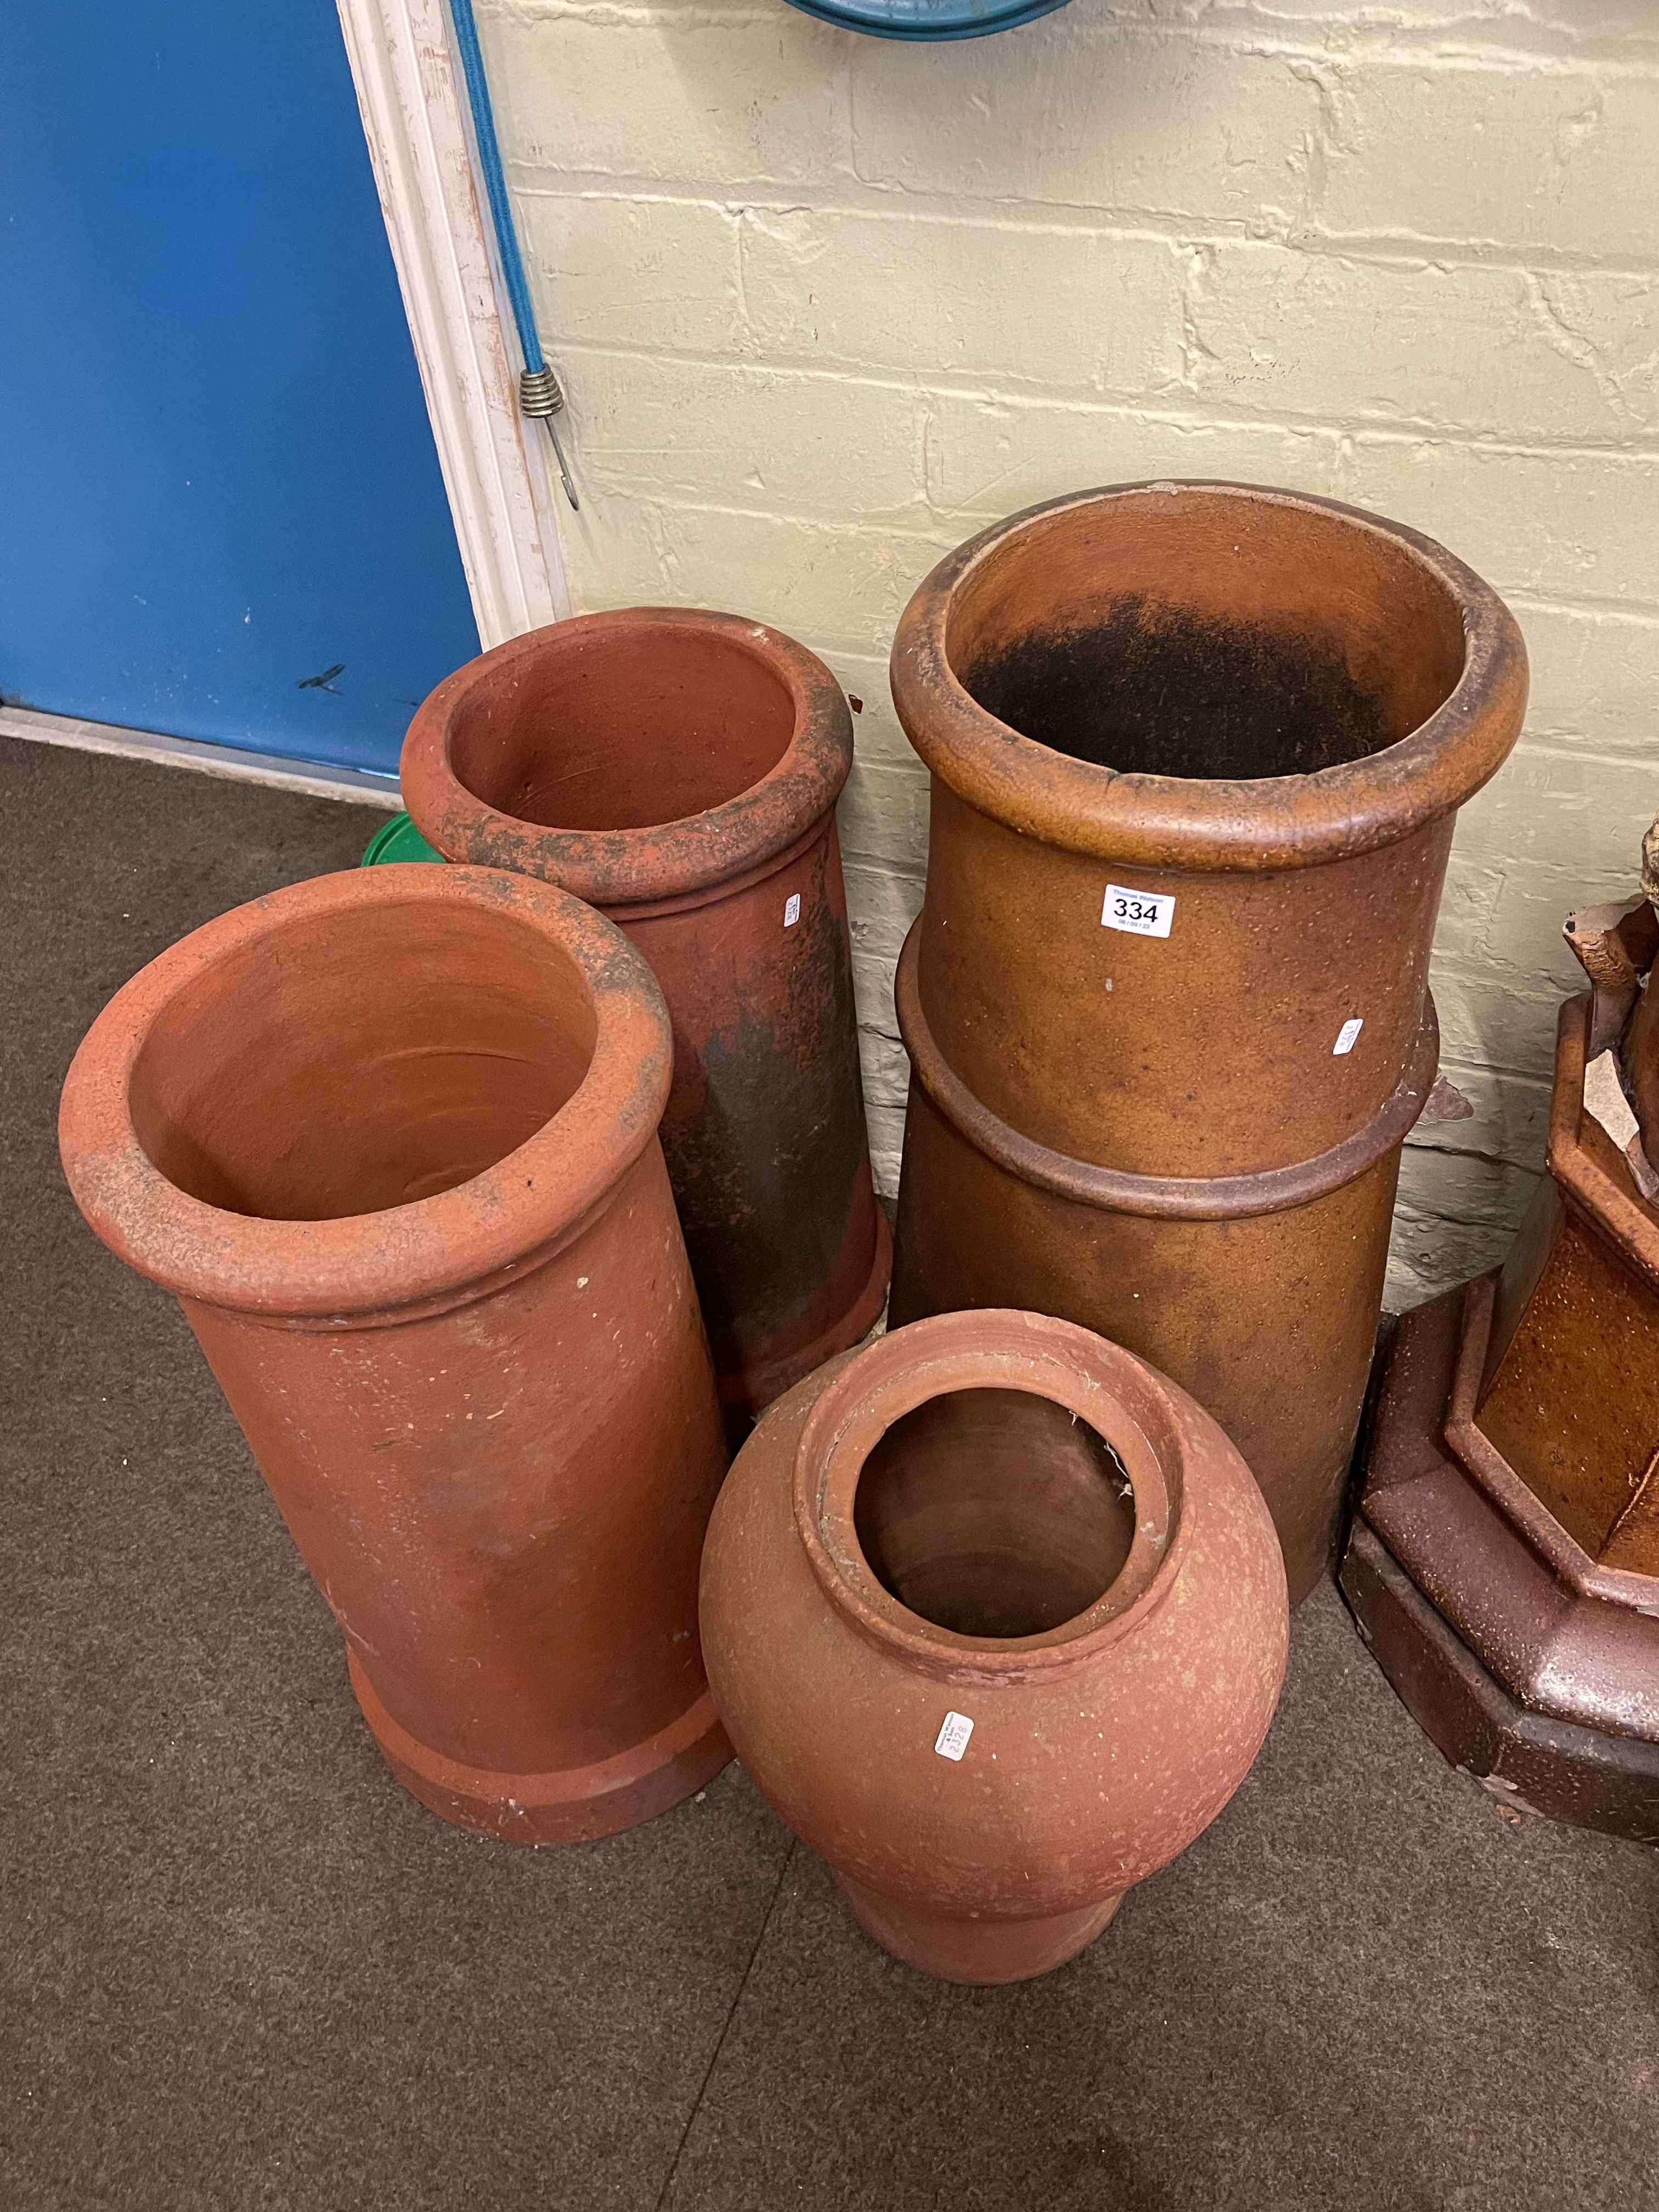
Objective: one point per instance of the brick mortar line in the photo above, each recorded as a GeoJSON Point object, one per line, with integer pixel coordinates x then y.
{"type": "Point", "coordinates": [733, 199]}
{"type": "Point", "coordinates": [1540, 744]}
{"type": "Point", "coordinates": [953, 528]}
{"type": "Point", "coordinates": [1158, 404]}
{"type": "Point", "coordinates": [867, 647]}
{"type": "Point", "coordinates": [1412, 1215]}
{"type": "Point", "coordinates": [1543, 990]}
{"type": "Point", "coordinates": [1611, 611]}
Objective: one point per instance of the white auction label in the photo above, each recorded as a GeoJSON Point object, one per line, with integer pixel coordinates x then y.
{"type": "Point", "coordinates": [792, 910]}
{"type": "Point", "coordinates": [1144, 914]}
{"type": "Point", "coordinates": [953, 1738]}
{"type": "Point", "coordinates": [1346, 1036]}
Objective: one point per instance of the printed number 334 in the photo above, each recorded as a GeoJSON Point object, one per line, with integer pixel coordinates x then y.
{"type": "Point", "coordinates": [1146, 914]}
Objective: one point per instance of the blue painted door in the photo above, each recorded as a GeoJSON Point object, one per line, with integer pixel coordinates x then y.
{"type": "Point", "coordinates": [221, 512]}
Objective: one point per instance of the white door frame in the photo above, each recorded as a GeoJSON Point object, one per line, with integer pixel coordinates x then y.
{"type": "Point", "coordinates": [494, 459]}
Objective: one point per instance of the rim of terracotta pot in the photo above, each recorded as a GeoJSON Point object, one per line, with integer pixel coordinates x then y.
{"type": "Point", "coordinates": [427, 1251]}
{"type": "Point", "coordinates": [1127, 1403]}
{"type": "Point", "coordinates": [619, 867]}
{"type": "Point", "coordinates": [1254, 823]}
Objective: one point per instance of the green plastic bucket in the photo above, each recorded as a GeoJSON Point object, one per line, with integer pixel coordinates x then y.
{"type": "Point", "coordinates": [397, 840]}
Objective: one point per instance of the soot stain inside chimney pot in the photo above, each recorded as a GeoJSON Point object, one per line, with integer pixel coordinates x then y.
{"type": "Point", "coordinates": [1156, 689]}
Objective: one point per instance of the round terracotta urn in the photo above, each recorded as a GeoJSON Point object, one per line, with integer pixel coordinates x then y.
{"type": "Point", "coordinates": [1196, 753]}
{"type": "Point", "coordinates": [390, 1137]}
{"type": "Point", "coordinates": [679, 770]}
{"type": "Point", "coordinates": [996, 1619]}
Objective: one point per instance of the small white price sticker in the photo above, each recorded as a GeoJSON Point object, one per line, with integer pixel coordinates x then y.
{"type": "Point", "coordinates": [1347, 1036]}
{"type": "Point", "coordinates": [1143, 913]}
{"type": "Point", "coordinates": [953, 1738]}
{"type": "Point", "coordinates": [792, 910]}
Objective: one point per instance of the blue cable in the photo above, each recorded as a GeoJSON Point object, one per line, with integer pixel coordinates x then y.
{"type": "Point", "coordinates": [539, 389]}
{"type": "Point", "coordinates": [490, 157]}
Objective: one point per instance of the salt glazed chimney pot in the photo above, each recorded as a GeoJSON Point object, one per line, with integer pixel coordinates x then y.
{"type": "Point", "coordinates": [679, 770]}
{"type": "Point", "coordinates": [1196, 750]}
{"type": "Point", "coordinates": [996, 1618]}
{"type": "Point", "coordinates": [390, 1137]}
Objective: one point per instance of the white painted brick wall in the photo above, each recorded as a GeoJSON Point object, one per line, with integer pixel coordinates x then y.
{"type": "Point", "coordinates": [825, 304]}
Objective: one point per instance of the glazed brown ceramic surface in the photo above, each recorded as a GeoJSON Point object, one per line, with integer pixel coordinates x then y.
{"type": "Point", "coordinates": [391, 1138]}
{"type": "Point", "coordinates": [1244, 721]}
{"type": "Point", "coordinates": [1569, 1389]}
{"type": "Point", "coordinates": [996, 1619]}
{"type": "Point", "coordinates": [1525, 1760]}
{"type": "Point", "coordinates": [679, 771]}
{"type": "Point", "coordinates": [1505, 1565]}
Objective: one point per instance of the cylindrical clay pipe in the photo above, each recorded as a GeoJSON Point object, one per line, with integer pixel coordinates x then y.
{"type": "Point", "coordinates": [1197, 750]}
{"type": "Point", "coordinates": [390, 1138]}
{"type": "Point", "coordinates": [679, 770]}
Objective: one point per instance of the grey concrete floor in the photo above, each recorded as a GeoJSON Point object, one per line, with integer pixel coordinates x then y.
{"type": "Point", "coordinates": [242, 1968]}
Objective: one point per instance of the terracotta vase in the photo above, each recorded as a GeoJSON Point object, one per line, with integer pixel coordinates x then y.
{"type": "Point", "coordinates": [679, 771]}
{"type": "Point", "coordinates": [1504, 1565]}
{"type": "Point", "coordinates": [996, 1620]}
{"type": "Point", "coordinates": [1196, 750]}
{"type": "Point", "coordinates": [390, 1138]}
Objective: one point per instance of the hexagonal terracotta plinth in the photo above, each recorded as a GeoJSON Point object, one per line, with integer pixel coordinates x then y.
{"type": "Point", "coordinates": [1505, 1565]}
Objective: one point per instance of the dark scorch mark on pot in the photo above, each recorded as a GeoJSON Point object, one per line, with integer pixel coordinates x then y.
{"type": "Point", "coordinates": [1155, 691]}
{"type": "Point", "coordinates": [766, 1148]}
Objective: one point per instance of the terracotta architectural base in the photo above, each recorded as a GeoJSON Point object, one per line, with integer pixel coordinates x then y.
{"type": "Point", "coordinates": [1536, 1674]}
{"type": "Point", "coordinates": [574, 1805]}
{"type": "Point", "coordinates": [1579, 1775]}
